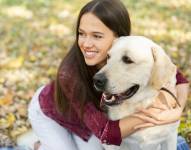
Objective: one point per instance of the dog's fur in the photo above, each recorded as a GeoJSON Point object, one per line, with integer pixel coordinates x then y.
{"type": "Point", "coordinates": [151, 69]}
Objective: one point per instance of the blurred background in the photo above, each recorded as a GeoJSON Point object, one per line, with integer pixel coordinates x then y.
{"type": "Point", "coordinates": [36, 34]}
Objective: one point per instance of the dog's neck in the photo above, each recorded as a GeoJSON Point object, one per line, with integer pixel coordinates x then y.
{"type": "Point", "coordinates": [142, 99]}
{"type": "Point", "coordinates": [144, 94]}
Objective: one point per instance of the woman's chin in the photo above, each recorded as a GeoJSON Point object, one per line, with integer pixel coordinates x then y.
{"type": "Point", "coordinates": [91, 63]}
{"type": "Point", "coordinates": [95, 63]}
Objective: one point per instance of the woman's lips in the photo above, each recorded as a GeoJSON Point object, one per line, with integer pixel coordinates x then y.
{"type": "Point", "coordinates": [90, 54]}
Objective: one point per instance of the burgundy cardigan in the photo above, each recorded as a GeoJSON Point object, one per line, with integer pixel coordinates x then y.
{"type": "Point", "coordinates": [94, 121]}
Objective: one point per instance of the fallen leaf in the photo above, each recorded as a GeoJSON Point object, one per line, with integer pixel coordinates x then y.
{"type": "Point", "coordinates": [15, 63]}
{"type": "Point", "coordinates": [7, 122]}
{"type": "Point", "coordinates": [7, 99]}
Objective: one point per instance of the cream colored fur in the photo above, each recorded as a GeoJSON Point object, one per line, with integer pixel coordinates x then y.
{"type": "Point", "coordinates": [152, 69]}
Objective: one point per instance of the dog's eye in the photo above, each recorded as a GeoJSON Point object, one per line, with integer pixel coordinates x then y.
{"type": "Point", "coordinates": [127, 60]}
{"type": "Point", "coordinates": [108, 56]}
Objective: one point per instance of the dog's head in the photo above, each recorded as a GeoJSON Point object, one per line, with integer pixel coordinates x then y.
{"type": "Point", "coordinates": [134, 63]}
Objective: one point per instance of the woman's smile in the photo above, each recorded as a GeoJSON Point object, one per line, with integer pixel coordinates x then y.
{"type": "Point", "coordinates": [94, 40]}
{"type": "Point", "coordinates": [88, 54]}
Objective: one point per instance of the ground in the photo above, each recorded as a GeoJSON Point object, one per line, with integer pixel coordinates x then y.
{"type": "Point", "coordinates": [35, 36]}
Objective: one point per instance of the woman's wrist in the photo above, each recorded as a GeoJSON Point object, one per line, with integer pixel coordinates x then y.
{"type": "Point", "coordinates": [127, 125]}
{"type": "Point", "coordinates": [182, 94]}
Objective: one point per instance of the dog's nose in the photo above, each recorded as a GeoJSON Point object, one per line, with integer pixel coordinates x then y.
{"type": "Point", "coordinates": [100, 81]}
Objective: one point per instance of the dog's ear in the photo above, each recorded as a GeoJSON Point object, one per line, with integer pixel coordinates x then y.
{"type": "Point", "coordinates": [163, 69]}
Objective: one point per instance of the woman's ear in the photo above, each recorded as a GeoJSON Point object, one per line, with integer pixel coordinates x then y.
{"type": "Point", "coordinates": [164, 71]}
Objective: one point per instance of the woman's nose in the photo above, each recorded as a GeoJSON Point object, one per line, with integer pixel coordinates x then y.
{"type": "Point", "coordinates": [87, 42]}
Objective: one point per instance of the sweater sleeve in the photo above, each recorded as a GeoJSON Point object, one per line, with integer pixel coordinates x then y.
{"type": "Point", "coordinates": [180, 79]}
{"type": "Point", "coordinates": [106, 130]}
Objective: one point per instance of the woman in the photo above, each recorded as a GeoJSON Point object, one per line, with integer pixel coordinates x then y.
{"type": "Point", "coordinates": [65, 114]}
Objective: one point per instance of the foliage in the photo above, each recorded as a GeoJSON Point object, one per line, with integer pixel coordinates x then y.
{"type": "Point", "coordinates": [35, 36]}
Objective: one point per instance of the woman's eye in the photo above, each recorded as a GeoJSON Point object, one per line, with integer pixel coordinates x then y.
{"type": "Point", "coordinates": [98, 36]}
{"type": "Point", "coordinates": [81, 34]}
{"type": "Point", "coordinates": [108, 56]}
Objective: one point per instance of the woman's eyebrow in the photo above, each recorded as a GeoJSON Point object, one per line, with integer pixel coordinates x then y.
{"type": "Point", "coordinates": [80, 30]}
{"type": "Point", "coordinates": [95, 32]}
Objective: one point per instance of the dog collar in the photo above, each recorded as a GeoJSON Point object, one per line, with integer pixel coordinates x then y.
{"type": "Point", "coordinates": [165, 89]}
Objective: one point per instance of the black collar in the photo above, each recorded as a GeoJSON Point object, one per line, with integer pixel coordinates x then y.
{"type": "Point", "coordinates": [165, 89]}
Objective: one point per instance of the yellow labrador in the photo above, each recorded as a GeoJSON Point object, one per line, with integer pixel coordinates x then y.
{"type": "Point", "coordinates": [136, 69]}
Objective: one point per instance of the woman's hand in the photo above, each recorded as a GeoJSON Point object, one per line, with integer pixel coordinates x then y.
{"type": "Point", "coordinates": [160, 112]}
{"type": "Point", "coordinates": [37, 144]}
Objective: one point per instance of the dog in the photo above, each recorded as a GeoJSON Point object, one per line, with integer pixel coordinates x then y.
{"type": "Point", "coordinates": [136, 69]}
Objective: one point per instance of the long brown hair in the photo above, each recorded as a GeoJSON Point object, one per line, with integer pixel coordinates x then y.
{"type": "Point", "coordinates": [115, 16]}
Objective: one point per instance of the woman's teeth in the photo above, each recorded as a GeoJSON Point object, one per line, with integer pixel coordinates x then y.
{"type": "Point", "coordinates": [90, 54]}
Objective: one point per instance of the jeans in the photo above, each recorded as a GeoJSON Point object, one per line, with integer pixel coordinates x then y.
{"type": "Point", "coordinates": [53, 136]}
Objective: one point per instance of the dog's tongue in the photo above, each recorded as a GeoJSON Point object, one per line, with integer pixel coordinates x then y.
{"type": "Point", "coordinates": [107, 95]}
{"type": "Point", "coordinates": [104, 97]}
{"type": "Point", "coordinates": [102, 101]}
{"type": "Point", "coordinates": [108, 99]}
{"type": "Point", "coordinates": [111, 99]}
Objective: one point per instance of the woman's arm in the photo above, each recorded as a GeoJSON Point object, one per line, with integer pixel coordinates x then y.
{"type": "Point", "coordinates": [167, 115]}
{"type": "Point", "coordinates": [182, 86]}
{"type": "Point", "coordinates": [154, 116]}
{"type": "Point", "coordinates": [127, 125]}
{"type": "Point", "coordinates": [182, 94]}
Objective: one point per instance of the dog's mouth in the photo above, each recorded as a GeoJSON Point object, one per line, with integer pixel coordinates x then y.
{"type": "Point", "coordinates": [115, 99]}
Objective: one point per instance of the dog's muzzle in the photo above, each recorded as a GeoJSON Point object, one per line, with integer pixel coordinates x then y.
{"type": "Point", "coordinates": [100, 81]}
{"type": "Point", "coordinates": [115, 99]}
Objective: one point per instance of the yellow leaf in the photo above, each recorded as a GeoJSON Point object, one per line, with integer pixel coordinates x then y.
{"type": "Point", "coordinates": [7, 99]}
{"type": "Point", "coordinates": [7, 121]}
{"type": "Point", "coordinates": [51, 71]}
{"type": "Point", "coordinates": [2, 79]}
{"type": "Point", "coordinates": [175, 55]}
{"type": "Point", "coordinates": [3, 123]}
{"type": "Point", "coordinates": [18, 131]}
{"type": "Point", "coordinates": [10, 119]}
{"type": "Point", "coordinates": [32, 58]}
{"type": "Point", "coordinates": [15, 63]}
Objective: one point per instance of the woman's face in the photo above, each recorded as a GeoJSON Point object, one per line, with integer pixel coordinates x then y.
{"type": "Point", "coordinates": [94, 40]}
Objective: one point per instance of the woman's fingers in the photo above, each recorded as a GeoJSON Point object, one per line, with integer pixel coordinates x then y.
{"type": "Point", "coordinates": [145, 125]}
{"type": "Point", "coordinates": [159, 117]}
{"type": "Point", "coordinates": [159, 106]}
{"type": "Point", "coordinates": [37, 145]}
{"type": "Point", "coordinates": [151, 115]}
{"type": "Point", "coordinates": [147, 119]}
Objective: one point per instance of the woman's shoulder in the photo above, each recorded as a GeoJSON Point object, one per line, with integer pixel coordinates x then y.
{"type": "Point", "coordinates": [48, 89]}
{"type": "Point", "coordinates": [46, 97]}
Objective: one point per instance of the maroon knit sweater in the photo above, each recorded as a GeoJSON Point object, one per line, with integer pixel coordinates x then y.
{"type": "Point", "coordinates": [94, 121]}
